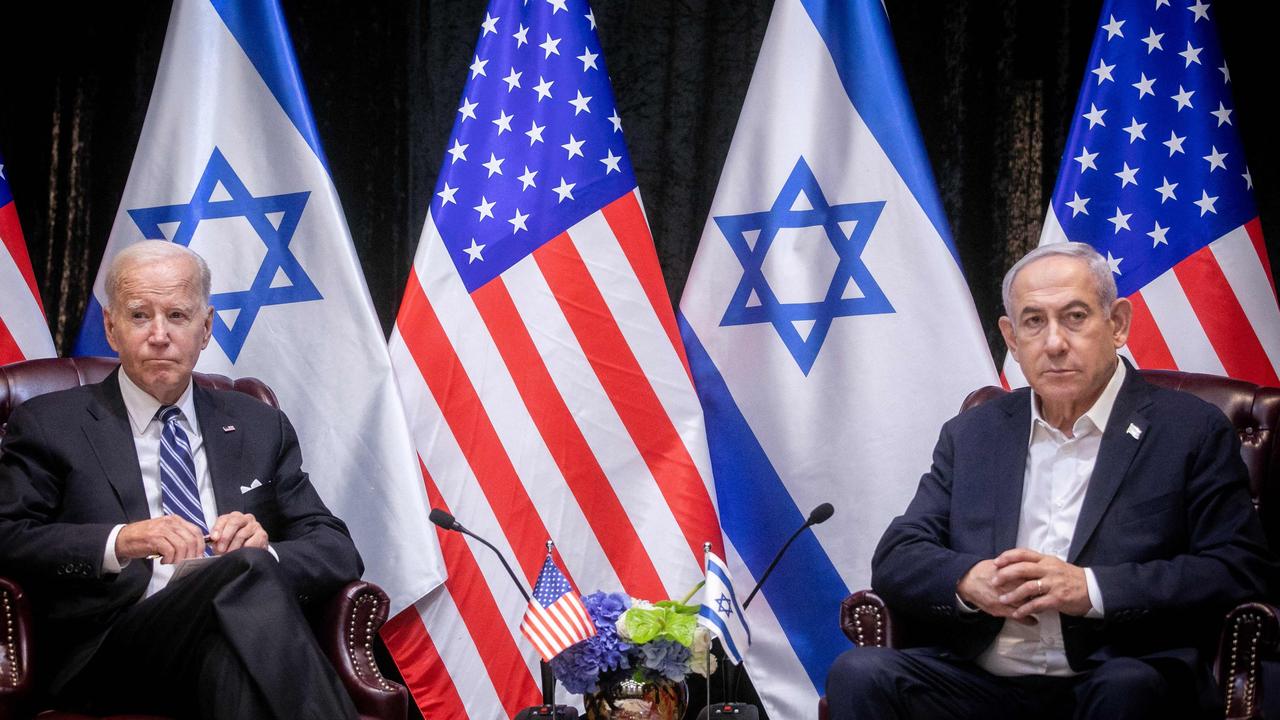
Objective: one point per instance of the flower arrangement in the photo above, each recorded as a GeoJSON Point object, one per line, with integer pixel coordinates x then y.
{"type": "Point", "coordinates": [638, 640]}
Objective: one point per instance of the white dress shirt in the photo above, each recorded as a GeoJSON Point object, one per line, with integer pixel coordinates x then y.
{"type": "Point", "coordinates": [1053, 490]}
{"type": "Point", "coordinates": [142, 409]}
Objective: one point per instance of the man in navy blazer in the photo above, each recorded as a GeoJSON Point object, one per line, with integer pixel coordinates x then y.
{"type": "Point", "coordinates": [86, 525]}
{"type": "Point", "coordinates": [1074, 546]}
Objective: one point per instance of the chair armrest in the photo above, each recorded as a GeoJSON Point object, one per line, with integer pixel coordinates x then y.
{"type": "Point", "coordinates": [15, 648]}
{"type": "Point", "coordinates": [865, 620]}
{"type": "Point", "coordinates": [1251, 632]}
{"type": "Point", "coordinates": [347, 629]}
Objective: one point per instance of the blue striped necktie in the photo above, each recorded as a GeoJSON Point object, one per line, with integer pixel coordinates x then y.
{"type": "Point", "coordinates": [179, 493]}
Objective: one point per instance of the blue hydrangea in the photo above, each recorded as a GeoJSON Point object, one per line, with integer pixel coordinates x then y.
{"type": "Point", "coordinates": [666, 658]}
{"type": "Point", "coordinates": [579, 667]}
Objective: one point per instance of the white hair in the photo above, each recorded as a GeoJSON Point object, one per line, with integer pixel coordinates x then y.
{"type": "Point", "coordinates": [1097, 265]}
{"type": "Point", "coordinates": [145, 251]}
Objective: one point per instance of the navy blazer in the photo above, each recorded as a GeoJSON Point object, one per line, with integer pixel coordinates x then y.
{"type": "Point", "coordinates": [69, 473]}
{"type": "Point", "coordinates": [1166, 525]}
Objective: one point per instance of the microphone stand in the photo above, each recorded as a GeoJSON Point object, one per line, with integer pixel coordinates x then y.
{"type": "Point", "coordinates": [745, 711]}
{"type": "Point", "coordinates": [548, 708]}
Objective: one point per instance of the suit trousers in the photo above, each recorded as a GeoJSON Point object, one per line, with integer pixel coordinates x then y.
{"type": "Point", "coordinates": [928, 684]}
{"type": "Point", "coordinates": [229, 641]}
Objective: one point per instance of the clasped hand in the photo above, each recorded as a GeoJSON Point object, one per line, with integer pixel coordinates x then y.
{"type": "Point", "coordinates": [1020, 583]}
{"type": "Point", "coordinates": [174, 539]}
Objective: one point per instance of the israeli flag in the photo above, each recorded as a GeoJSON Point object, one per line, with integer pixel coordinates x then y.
{"type": "Point", "coordinates": [229, 164]}
{"type": "Point", "coordinates": [721, 613]}
{"type": "Point", "coordinates": [829, 328]}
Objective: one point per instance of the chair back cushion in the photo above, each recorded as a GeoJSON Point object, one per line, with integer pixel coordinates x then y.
{"type": "Point", "coordinates": [1253, 410]}
{"type": "Point", "coordinates": [22, 381]}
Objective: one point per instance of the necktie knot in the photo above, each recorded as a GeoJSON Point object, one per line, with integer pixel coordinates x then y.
{"type": "Point", "coordinates": [168, 413]}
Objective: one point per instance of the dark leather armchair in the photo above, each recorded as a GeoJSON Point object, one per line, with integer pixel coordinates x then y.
{"type": "Point", "coordinates": [1251, 632]}
{"type": "Point", "coordinates": [346, 626]}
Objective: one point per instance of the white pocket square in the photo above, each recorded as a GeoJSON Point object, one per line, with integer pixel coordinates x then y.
{"type": "Point", "coordinates": [251, 486]}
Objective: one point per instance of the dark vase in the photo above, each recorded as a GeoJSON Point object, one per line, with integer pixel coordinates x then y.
{"type": "Point", "coordinates": [627, 699]}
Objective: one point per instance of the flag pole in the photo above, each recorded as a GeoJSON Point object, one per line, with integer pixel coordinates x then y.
{"type": "Point", "coordinates": [706, 563]}
{"type": "Point", "coordinates": [548, 677]}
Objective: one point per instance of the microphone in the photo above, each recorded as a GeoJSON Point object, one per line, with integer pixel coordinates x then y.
{"type": "Point", "coordinates": [820, 514]}
{"type": "Point", "coordinates": [744, 711]}
{"type": "Point", "coordinates": [548, 708]}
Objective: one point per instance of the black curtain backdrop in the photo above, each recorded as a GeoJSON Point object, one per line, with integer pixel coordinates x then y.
{"type": "Point", "coordinates": [994, 83]}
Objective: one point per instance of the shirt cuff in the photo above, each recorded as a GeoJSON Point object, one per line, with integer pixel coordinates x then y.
{"type": "Point", "coordinates": [1095, 596]}
{"type": "Point", "coordinates": [111, 564]}
{"type": "Point", "coordinates": [273, 552]}
{"type": "Point", "coordinates": [965, 607]}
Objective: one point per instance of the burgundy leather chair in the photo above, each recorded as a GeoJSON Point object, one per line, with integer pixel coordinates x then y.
{"type": "Point", "coordinates": [346, 626]}
{"type": "Point", "coordinates": [1251, 632]}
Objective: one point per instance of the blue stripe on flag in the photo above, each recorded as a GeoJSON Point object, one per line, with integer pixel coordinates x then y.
{"type": "Point", "coordinates": [857, 35]}
{"type": "Point", "coordinates": [758, 514]}
{"type": "Point", "coordinates": [726, 638]}
{"type": "Point", "coordinates": [92, 340]}
{"type": "Point", "coordinates": [259, 28]}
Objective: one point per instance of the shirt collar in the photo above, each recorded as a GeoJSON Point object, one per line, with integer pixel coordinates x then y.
{"type": "Point", "coordinates": [142, 408]}
{"type": "Point", "coordinates": [1097, 415]}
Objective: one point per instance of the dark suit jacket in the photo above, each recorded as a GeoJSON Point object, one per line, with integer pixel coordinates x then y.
{"type": "Point", "coordinates": [1166, 526]}
{"type": "Point", "coordinates": [69, 473]}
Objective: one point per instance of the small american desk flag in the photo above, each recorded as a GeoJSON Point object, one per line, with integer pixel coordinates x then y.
{"type": "Point", "coordinates": [556, 618]}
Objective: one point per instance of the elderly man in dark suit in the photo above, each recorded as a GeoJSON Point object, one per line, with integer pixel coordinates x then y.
{"type": "Point", "coordinates": [104, 489]}
{"type": "Point", "coordinates": [1075, 545]}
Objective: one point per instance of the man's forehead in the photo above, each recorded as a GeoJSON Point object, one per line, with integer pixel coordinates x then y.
{"type": "Point", "coordinates": [1056, 280]}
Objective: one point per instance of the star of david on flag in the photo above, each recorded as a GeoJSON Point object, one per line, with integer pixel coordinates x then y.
{"type": "Point", "coordinates": [278, 263]}
{"type": "Point", "coordinates": [1154, 177]}
{"type": "Point", "coordinates": [803, 325]}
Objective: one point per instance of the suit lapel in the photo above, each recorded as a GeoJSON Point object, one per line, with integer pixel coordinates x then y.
{"type": "Point", "coordinates": [221, 450]}
{"type": "Point", "coordinates": [108, 432]}
{"type": "Point", "coordinates": [1008, 470]}
{"type": "Point", "coordinates": [1125, 429]}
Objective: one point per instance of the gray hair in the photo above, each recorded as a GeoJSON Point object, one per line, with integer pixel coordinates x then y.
{"type": "Point", "coordinates": [145, 251]}
{"type": "Point", "coordinates": [1097, 265]}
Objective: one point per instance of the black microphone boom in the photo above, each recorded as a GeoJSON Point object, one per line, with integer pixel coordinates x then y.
{"type": "Point", "coordinates": [548, 708]}
{"type": "Point", "coordinates": [446, 521]}
{"type": "Point", "coordinates": [820, 514]}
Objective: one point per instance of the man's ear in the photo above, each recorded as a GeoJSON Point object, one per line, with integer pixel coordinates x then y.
{"type": "Point", "coordinates": [1010, 340]}
{"type": "Point", "coordinates": [208, 327]}
{"type": "Point", "coordinates": [1121, 321]}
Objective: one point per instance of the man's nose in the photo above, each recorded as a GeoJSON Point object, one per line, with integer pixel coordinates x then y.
{"type": "Point", "coordinates": [1055, 340]}
{"type": "Point", "coordinates": [158, 331]}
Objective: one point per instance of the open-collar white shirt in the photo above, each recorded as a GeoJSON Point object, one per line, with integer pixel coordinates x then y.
{"type": "Point", "coordinates": [1053, 490]}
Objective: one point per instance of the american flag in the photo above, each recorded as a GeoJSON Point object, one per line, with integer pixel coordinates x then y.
{"type": "Point", "coordinates": [23, 332]}
{"type": "Point", "coordinates": [1154, 177]}
{"type": "Point", "coordinates": [556, 618]}
{"type": "Point", "coordinates": [538, 356]}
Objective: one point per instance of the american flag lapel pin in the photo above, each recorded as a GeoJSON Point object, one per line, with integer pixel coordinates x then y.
{"type": "Point", "coordinates": [228, 428]}
{"type": "Point", "coordinates": [1135, 431]}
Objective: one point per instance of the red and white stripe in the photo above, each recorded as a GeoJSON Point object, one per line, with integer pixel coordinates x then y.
{"type": "Point", "coordinates": [1215, 312]}
{"type": "Point", "coordinates": [24, 334]}
{"type": "Point", "coordinates": [553, 402]}
{"type": "Point", "coordinates": [555, 627]}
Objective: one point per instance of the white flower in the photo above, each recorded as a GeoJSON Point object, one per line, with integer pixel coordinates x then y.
{"type": "Point", "coordinates": [702, 661]}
